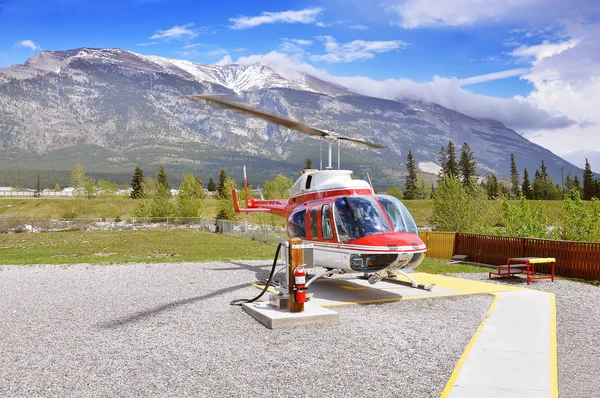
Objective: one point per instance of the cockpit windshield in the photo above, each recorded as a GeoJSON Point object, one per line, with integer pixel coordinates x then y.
{"type": "Point", "coordinates": [358, 216]}
{"type": "Point", "coordinates": [400, 217]}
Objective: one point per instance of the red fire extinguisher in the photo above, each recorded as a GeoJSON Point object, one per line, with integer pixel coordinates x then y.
{"type": "Point", "coordinates": [300, 284]}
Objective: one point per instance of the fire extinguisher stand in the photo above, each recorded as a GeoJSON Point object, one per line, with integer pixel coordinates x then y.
{"type": "Point", "coordinates": [296, 257]}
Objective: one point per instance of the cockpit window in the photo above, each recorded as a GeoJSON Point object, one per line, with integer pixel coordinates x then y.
{"type": "Point", "coordinates": [296, 224]}
{"type": "Point", "coordinates": [399, 216]}
{"type": "Point", "coordinates": [358, 216]}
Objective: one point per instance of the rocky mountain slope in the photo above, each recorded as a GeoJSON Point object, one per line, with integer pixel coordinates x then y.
{"type": "Point", "coordinates": [112, 109]}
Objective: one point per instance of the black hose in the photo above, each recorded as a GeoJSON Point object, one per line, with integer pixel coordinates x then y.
{"type": "Point", "coordinates": [242, 301]}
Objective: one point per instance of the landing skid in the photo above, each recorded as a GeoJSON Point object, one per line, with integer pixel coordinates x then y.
{"type": "Point", "coordinates": [410, 284]}
{"type": "Point", "coordinates": [376, 277]}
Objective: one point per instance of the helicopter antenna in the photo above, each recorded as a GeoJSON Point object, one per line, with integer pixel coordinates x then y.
{"type": "Point", "coordinates": [321, 155]}
{"type": "Point", "coordinates": [339, 145]}
{"type": "Point", "coordinates": [370, 183]}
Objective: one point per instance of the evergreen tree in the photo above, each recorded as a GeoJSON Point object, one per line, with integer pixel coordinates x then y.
{"type": "Point", "coordinates": [543, 186]}
{"type": "Point", "coordinates": [221, 188]}
{"type": "Point", "coordinates": [538, 186]}
{"type": "Point", "coordinates": [526, 186]}
{"type": "Point", "coordinates": [514, 177]}
{"type": "Point", "coordinates": [38, 187]}
{"type": "Point", "coordinates": [211, 185]}
{"type": "Point", "coordinates": [577, 183]}
{"type": "Point", "coordinates": [308, 164]}
{"type": "Point", "coordinates": [162, 180]}
{"type": "Point", "coordinates": [136, 183]}
{"type": "Point", "coordinates": [588, 182]}
{"type": "Point", "coordinates": [451, 165]}
{"type": "Point", "coordinates": [225, 210]}
{"type": "Point", "coordinates": [443, 164]}
{"type": "Point", "coordinates": [569, 184]}
{"type": "Point", "coordinates": [410, 187]}
{"type": "Point", "coordinates": [467, 165]}
{"type": "Point", "coordinates": [491, 186]}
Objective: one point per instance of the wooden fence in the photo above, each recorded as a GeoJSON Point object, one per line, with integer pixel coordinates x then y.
{"type": "Point", "coordinates": [573, 259]}
{"type": "Point", "coordinates": [439, 244]}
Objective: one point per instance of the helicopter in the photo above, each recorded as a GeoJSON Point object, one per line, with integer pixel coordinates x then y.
{"type": "Point", "coordinates": [351, 228]}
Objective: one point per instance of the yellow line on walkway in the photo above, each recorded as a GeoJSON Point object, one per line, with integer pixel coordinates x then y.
{"type": "Point", "coordinates": [553, 351]}
{"type": "Point", "coordinates": [465, 354]}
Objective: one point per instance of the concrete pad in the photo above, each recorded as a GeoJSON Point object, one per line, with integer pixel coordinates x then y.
{"type": "Point", "coordinates": [345, 291]}
{"type": "Point", "coordinates": [274, 318]}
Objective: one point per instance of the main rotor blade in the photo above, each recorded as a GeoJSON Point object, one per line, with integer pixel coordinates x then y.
{"type": "Point", "coordinates": [289, 123]}
{"type": "Point", "coordinates": [283, 121]}
{"type": "Point", "coordinates": [378, 146]}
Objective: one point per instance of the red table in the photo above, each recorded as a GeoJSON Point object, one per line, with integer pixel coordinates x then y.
{"type": "Point", "coordinates": [518, 263]}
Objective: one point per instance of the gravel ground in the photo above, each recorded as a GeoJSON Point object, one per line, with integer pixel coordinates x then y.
{"type": "Point", "coordinates": [578, 332]}
{"type": "Point", "coordinates": [168, 330]}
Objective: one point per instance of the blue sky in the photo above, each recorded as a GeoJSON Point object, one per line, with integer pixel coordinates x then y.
{"type": "Point", "coordinates": [532, 64]}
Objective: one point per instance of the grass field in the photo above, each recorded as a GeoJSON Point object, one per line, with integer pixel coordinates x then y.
{"type": "Point", "coordinates": [116, 247]}
{"type": "Point", "coordinates": [96, 247]}
{"type": "Point", "coordinates": [99, 208]}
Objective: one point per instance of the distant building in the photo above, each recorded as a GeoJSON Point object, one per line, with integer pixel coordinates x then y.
{"type": "Point", "coordinates": [69, 191]}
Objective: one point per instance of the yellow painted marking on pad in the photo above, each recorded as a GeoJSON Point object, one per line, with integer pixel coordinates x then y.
{"type": "Point", "coordinates": [270, 290]}
{"type": "Point", "coordinates": [553, 352]}
{"type": "Point", "coordinates": [462, 285]}
{"type": "Point", "coordinates": [352, 287]}
{"type": "Point", "coordinates": [388, 300]}
{"type": "Point", "coordinates": [465, 354]}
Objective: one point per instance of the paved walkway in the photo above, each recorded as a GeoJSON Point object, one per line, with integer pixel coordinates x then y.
{"type": "Point", "coordinates": [513, 354]}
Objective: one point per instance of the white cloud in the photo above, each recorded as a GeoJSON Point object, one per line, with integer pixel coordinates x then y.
{"type": "Point", "coordinates": [438, 13]}
{"type": "Point", "coordinates": [358, 27]}
{"type": "Point", "coordinates": [28, 44]}
{"type": "Point", "coordinates": [544, 50]}
{"type": "Point", "coordinates": [328, 24]}
{"type": "Point", "coordinates": [300, 42]}
{"type": "Point", "coordinates": [305, 16]}
{"type": "Point", "coordinates": [566, 79]}
{"type": "Point", "coordinates": [421, 13]}
{"type": "Point", "coordinates": [488, 77]}
{"type": "Point", "coordinates": [226, 60]}
{"type": "Point", "coordinates": [444, 91]}
{"type": "Point", "coordinates": [354, 50]}
{"type": "Point", "coordinates": [176, 32]}
{"type": "Point", "coordinates": [218, 52]}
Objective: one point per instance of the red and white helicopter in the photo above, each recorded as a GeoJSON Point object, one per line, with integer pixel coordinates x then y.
{"type": "Point", "coordinates": [351, 228]}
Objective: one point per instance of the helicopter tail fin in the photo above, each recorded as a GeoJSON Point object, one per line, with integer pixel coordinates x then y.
{"type": "Point", "coordinates": [248, 208]}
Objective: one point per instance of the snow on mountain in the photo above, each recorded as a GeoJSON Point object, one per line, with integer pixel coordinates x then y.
{"type": "Point", "coordinates": [126, 108]}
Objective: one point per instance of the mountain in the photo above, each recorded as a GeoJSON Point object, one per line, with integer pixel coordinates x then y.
{"type": "Point", "coordinates": [112, 109]}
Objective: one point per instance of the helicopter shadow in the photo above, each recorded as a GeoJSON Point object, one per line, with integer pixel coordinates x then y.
{"type": "Point", "coordinates": [143, 315]}
{"type": "Point", "coordinates": [260, 274]}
